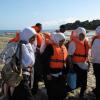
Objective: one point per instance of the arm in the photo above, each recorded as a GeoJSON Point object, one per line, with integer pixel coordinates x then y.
{"type": "Point", "coordinates": [27, 59]}
{"type": "Point", "coordinates": [48, 52]}
{"type": "Point", "coordinates": [71, 50]}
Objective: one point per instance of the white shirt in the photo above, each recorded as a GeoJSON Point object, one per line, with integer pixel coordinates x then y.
{"type": "Point", "coordinates": [95, 51]}
{"type": "Point", "coordinates": [71, 51]}
{"type": "Point", "coordinates": [71, 48]}
{"type": "Point", "coordinates": [34, 45]}
{"type": "Point", "coordinates": [28, 57]}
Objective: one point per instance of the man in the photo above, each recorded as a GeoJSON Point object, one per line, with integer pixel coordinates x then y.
{"type": "Point", "coordinates": [62, 29]}
{"type": "Point", "coordinates": [37, 66]}
{"type": "Point", "coordinates": [38, 28]}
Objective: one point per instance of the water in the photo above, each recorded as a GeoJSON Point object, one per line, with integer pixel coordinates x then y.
{"type": "Point", "coordinates": [67, 33]}
{"type": "Point", "coordinates": [5, 32]}
{"type": "Point", "coordinates": [90, 33]}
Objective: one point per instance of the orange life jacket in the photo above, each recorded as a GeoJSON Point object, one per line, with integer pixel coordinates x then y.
{"type": "Point", "coordinates": [36, 28]}
{"type": "Point", "coordinates": [39, 39]}
{"type": "Point", "coordinates": [39, 36]}
{"type": "Point", "coordinates": [58, 59]}
{"type": "Point", "coordinates": [81, 52]}
{"type": "Point", "coordinates": [16, 38]}
{"type": "Point", "coordinates": [95, 37]}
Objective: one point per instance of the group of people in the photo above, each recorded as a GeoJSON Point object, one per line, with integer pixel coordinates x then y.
{"type": "Point", "coordinates": [45, 57]}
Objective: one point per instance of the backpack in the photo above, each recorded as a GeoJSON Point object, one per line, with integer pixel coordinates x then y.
{"type": "Point", "coordinates": [12, 70]}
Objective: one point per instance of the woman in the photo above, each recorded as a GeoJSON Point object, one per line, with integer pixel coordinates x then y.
{"type": "Point", "coordinates": [78, 53]}
{"type": "Point", "coordinates": [95, 51]}
{"type": "Point", "coordinates": [23, 90]}
{"type": "Point", "coordinates": [54, 62]}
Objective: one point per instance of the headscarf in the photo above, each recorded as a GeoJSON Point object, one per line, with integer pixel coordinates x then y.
{"type": "Point", "coordinates": [98, 31]}
{"type": "Point", "coordinates": [73, 36]}
{"type": "Point", "coordinates": [75, 33]}
{"type": "Point", "coordinates": [97, 35]}
{"type": "Point", "coordinates": [80, 30]}
{"type": "Point", "coordinates": [27, 33]}
{"type": "Point", "coordinates": [58, 37]}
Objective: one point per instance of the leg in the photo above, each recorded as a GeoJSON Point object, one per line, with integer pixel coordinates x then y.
{"type": "Point", "coordinates": [83, 82]}
{"type": "Point", "coordinates": [23, 91]}
{"type": "Point", "coordinates": [97, 76]}
{"type": "Point", "coordinates": [81, 79]}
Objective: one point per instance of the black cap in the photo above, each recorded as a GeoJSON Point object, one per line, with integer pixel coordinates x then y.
{"type": "Point", "coordinates": [38, 24]}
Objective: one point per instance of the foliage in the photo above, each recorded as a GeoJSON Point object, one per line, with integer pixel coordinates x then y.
{"type": "Point", "coordinates": [89, 25]}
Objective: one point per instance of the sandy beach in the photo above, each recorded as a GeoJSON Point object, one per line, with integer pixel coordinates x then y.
{"type": "Point", "coordinates": [42, 92]}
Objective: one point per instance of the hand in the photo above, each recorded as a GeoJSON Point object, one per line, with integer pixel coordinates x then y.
{"type": "Point", "coordinates": [49, 77]}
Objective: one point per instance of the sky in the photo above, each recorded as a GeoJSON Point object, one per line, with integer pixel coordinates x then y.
{"type": "Point", "coordinates": [18, 14]}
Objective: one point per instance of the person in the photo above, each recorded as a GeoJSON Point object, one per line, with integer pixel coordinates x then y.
{"type": "Point", "coordinates": [5, 58]}
{"type": "Point", "coordinates": [54, 63]}
{"type": "Point", "coordinates": [47, 37]}
{"type": "Point", "coordinates": [16, 38]}
{"type": "Point", "coordinates": [47, 40]}
{"type": "Point", "coordinates": [62, 29]}
{"type": "Point", "coordinates": [37, 66]}
{"type": "Point", "coordinates": [23, 90]}
{"type": "Point", "coordinates": [38, 28]}
{"type": "Point", "coordinates": [95, 53]}
{"type": "Point", "coordinates": [78, 56]}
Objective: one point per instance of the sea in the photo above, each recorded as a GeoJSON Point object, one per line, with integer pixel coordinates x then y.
{"type": "Point", "coordinates": [67, 33]}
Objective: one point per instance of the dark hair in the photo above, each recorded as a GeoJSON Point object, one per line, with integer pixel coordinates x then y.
{"type": "Point", "coordinates": [38, 24]}
{"type": "Point", "coordinates": [63, 27]}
